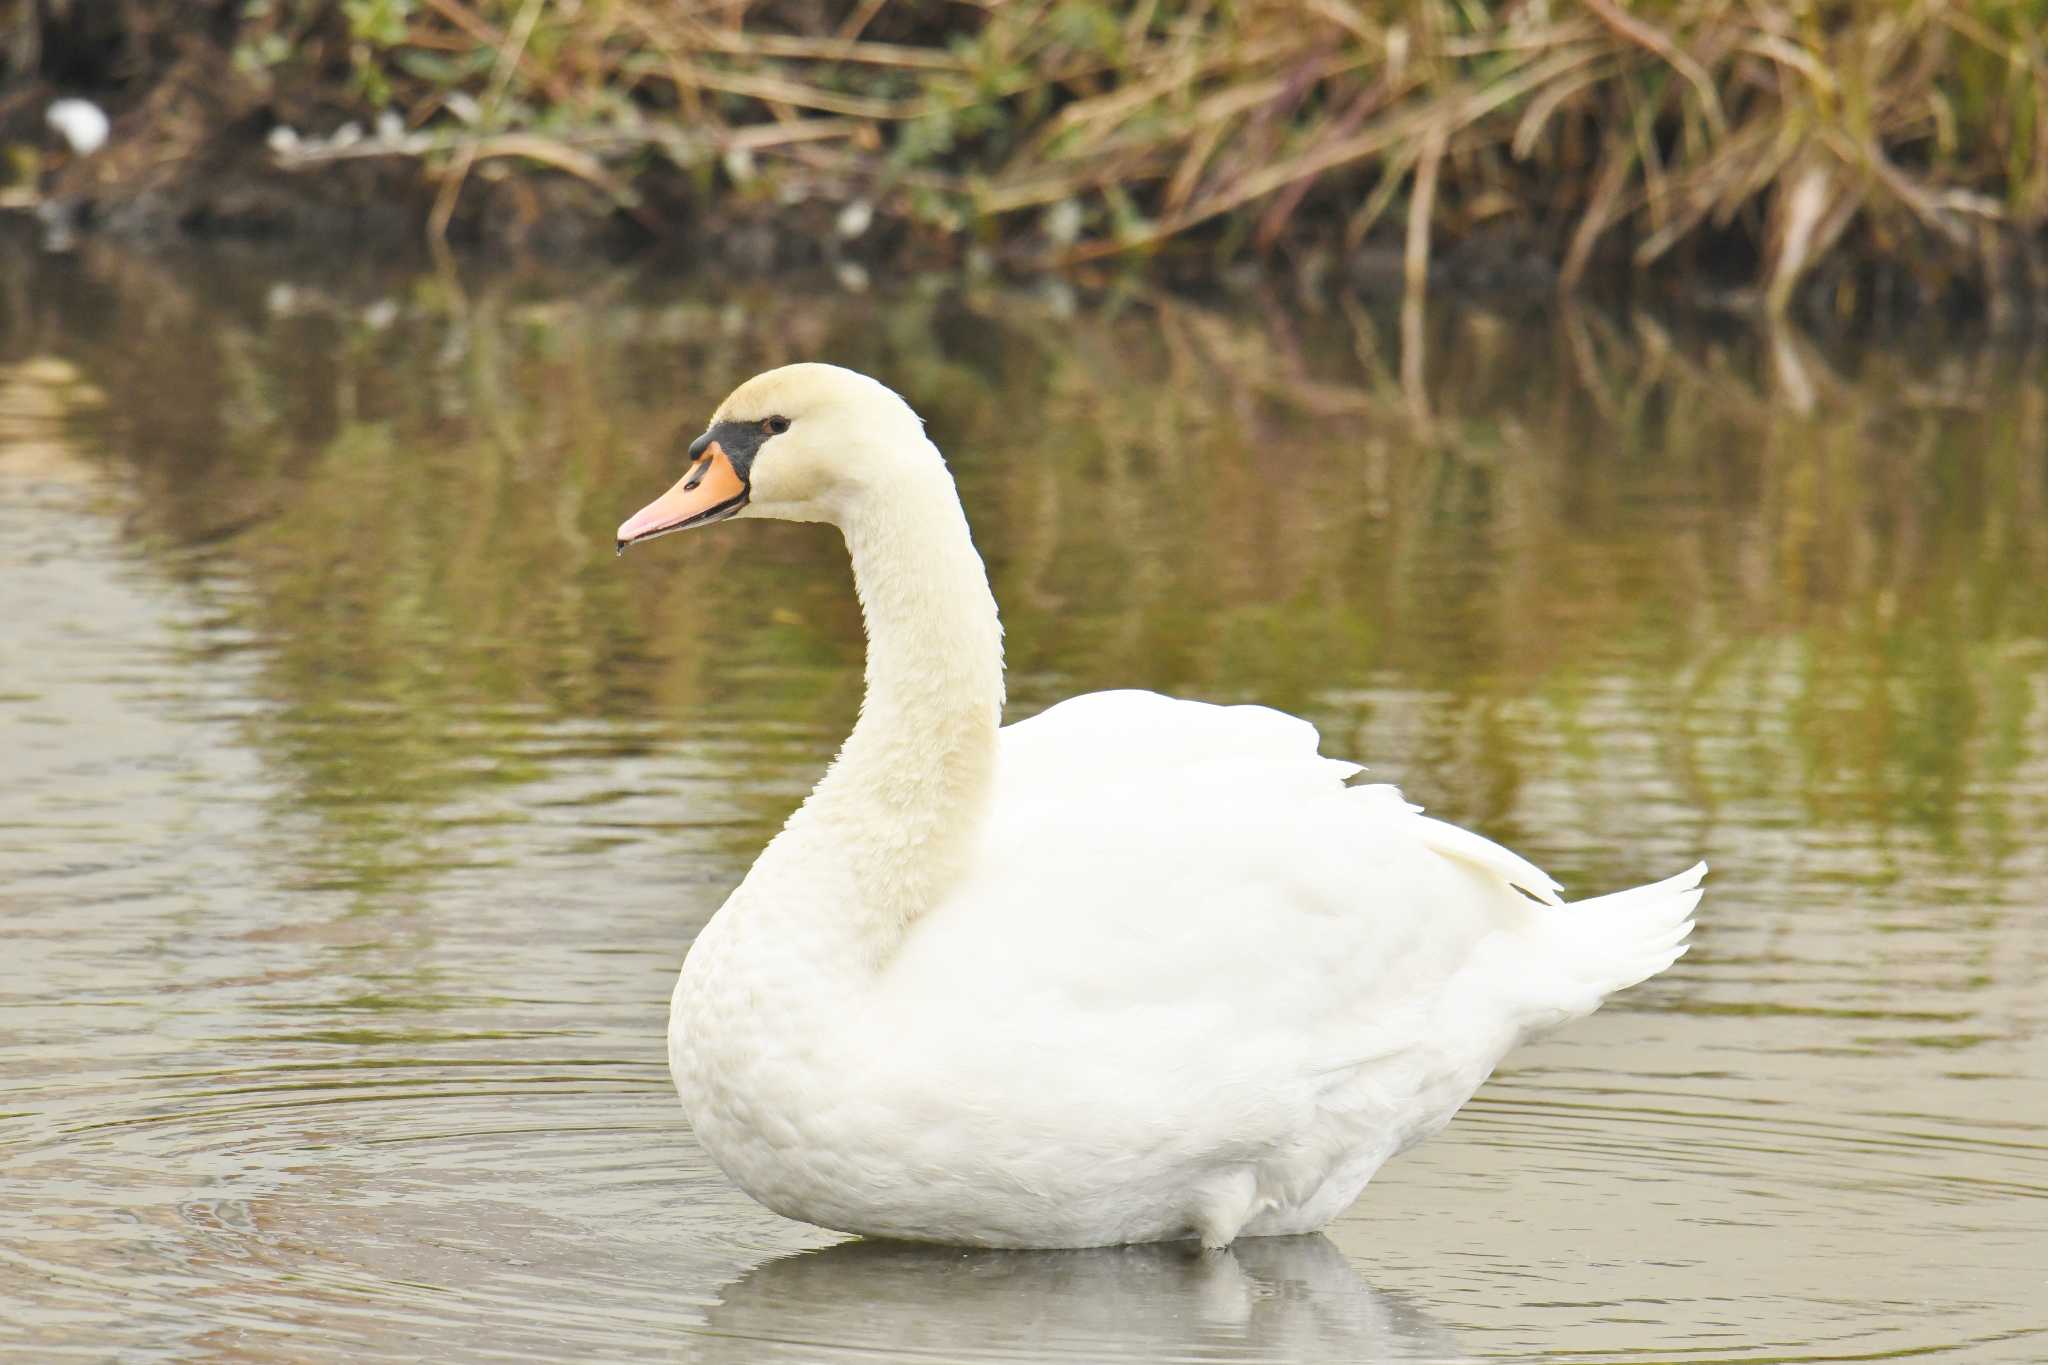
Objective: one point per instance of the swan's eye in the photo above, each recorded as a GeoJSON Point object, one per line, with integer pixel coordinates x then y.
{"type": "Point", "coordinates": [775, 426]}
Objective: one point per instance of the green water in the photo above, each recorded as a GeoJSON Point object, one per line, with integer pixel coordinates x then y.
{"type": "Point", "coordinates": [357, 805]}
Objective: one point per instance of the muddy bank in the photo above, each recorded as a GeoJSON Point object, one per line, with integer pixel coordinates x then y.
{"type": "Point", "coordinates": [1375, 157]}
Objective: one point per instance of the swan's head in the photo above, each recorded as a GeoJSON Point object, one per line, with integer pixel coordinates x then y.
{"type": "Point", "coordinates": [802, 443]}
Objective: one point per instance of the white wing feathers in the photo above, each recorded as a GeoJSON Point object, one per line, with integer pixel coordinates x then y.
{"type": "Point", "coordinates": [1237, 819]}
{"type": "Point", "coordinates": [1483, 853]}
{"type": "Point", "coordinates": [1148, 733]}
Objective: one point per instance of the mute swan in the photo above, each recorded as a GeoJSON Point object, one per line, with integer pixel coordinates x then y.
{"type": "Point", "coordinates": [1133, 970]}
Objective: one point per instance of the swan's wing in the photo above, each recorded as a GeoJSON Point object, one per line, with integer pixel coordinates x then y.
{"type": "Point", "coordinates": [1128, 739]}
{"type": "Point", "coordinates": [1174, 894]}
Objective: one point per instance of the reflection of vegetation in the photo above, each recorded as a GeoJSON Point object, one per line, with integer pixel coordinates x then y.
{"type": "Point", "coordinates": [1801, 580]}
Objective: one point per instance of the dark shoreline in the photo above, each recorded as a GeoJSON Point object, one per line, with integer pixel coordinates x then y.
{"type": "Point", "coordinates": [539, 217]}
{"type": "Point", "coordinates": [200, 152]}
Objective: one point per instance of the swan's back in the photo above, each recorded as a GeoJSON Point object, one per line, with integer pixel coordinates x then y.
{"type": "Point", "coordinates": [1136, 838]}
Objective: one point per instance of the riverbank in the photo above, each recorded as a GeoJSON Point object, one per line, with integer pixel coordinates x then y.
{"type": "Point", "coordinates": [1827, 161]}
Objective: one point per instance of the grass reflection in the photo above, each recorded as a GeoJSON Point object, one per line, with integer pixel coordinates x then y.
{"type": "Point", "coordinates": [1805, 579]}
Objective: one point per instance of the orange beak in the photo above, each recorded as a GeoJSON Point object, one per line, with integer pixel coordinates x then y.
{"type": "Point", "coordinates": [711, 491]}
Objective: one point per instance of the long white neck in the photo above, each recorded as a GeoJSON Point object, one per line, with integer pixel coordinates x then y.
{"type": "Point", "coordinates": [908, 792]}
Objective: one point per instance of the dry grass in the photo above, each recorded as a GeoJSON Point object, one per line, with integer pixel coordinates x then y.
{"type": "Point", "coordinates": [1914, 134]}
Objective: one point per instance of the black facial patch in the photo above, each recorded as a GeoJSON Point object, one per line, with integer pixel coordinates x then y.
{"type": "Point", "coordinates": [740, 441]}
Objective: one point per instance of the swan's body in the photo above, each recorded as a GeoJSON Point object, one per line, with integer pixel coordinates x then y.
{"type": "Point", "coordinates": [1134, 969]}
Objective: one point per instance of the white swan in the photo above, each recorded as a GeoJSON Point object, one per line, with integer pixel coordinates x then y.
{"type": "Point", "coordinates": [1135, 969]}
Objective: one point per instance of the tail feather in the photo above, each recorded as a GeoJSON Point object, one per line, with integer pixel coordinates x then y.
{"type": "Point", "coordinates": [1612, 942]}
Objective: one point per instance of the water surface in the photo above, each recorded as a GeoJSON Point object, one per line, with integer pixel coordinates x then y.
{"type": "Point", "coordinates": [359, 805]}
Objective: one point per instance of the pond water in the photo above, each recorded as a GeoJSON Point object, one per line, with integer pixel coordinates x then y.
{"type": "Point", "coordinates": [358, 805]}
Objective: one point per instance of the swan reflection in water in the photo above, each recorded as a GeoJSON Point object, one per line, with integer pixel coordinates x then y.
{"type": "Point", "coordinates": [1264, 1299]}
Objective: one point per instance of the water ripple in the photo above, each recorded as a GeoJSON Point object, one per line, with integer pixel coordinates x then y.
{"type": "Point", "coordinates": [359, 811]}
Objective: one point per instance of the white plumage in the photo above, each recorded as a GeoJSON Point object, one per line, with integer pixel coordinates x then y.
{"type": "Point", "coordinates": [1133, 969]}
